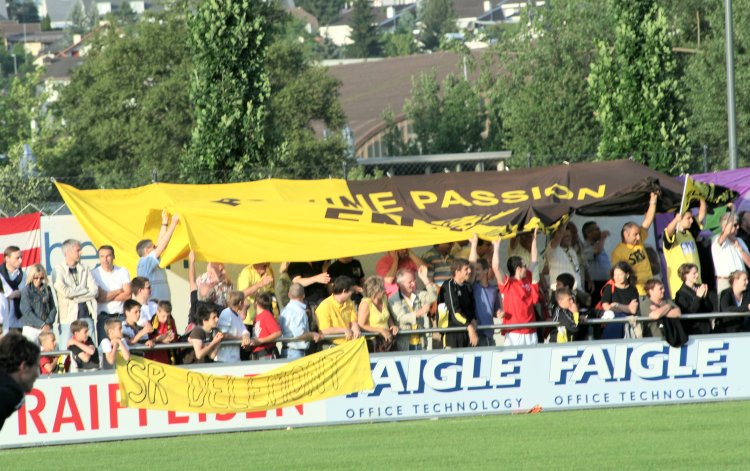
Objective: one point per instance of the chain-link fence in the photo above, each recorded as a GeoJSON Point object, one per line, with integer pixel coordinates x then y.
{"type": "Point", "coordinates": [24, 194]}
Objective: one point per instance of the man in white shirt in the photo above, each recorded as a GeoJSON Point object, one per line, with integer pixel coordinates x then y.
{"type": "Point", "coordinates": [114, 288]}
{"type": "Point", "coordinates": [729, 251]}
{"type": "Point", "coordinates": [562, 258]}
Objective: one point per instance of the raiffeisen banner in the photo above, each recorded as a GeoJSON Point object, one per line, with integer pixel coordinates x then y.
{"type": "Point", "coordinates": [441, 383]}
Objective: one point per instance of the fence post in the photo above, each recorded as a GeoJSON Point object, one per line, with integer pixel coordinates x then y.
{"type": "Point", "coordinates": [705, 158]}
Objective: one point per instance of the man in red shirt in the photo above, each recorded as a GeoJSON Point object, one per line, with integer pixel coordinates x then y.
{"type": "Point", "coordinates": [265, 329]}
{"type": "Point", "coordinates": [519, 292]}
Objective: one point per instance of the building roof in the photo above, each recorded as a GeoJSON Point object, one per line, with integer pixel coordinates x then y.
{"type": "Point", "coordinates": [305, 16]}
{"type": "Point", "coordinates": [380, 13]}
{"type": "Point", "coordinates": [44, 37]}
{"type": "Point", "coordinates": [469, 8]}
{"type": "Point", "coordinates": [61, 68]}
{"type": "Point", "coordinates": [370, 87]}
{"type": "Point", "coordinates": [9, 28]}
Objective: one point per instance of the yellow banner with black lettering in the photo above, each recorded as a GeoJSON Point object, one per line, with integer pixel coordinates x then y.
{"type": "Point", "coordinates": [298, 220]}
{"type": "Point", "coordinates": [146, 384]}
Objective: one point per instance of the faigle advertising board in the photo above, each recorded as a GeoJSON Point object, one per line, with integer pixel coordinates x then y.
{"type": "Point", "coordinates": [441, 383]}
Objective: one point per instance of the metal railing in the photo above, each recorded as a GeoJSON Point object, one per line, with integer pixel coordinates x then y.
{"type": "Point", "coordinates": [591, 323]}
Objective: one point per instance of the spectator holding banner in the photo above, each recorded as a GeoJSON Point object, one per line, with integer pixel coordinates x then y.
{"type": "Point", "coordinates": [520, 294]}
{"type": "Point", "coordinates": [632, 249]}
{"type": "Point", "coordinates": [150, 253]}
{"type": "Point", "coordinates": [680, 245]}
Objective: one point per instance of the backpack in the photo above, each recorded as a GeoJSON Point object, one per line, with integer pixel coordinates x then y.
{"type": "Point", "coordinates": [599, 306]}
{"type": "Point", "coordinates": [673, 332]}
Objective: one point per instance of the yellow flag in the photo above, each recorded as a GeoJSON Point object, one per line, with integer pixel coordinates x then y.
{"type": "Point", "coordinates": [146, 384]}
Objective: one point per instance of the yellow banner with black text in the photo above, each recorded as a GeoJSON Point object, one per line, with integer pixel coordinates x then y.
{"type": "Point", "coordinates": [291, 220]}
{"type": "Point", "coordinates": [146, 384]}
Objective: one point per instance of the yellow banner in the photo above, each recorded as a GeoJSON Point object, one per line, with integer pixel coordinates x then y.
{"type": "Point", "coordinates": [145, 384]}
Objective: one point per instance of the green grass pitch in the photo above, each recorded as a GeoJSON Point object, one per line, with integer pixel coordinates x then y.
{"type": "Point", "coordinates": [696, 436]}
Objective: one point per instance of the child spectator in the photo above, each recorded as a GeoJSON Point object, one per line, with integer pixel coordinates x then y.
{"type": "Point", "coordinates": [51, 364]}
{"type": "Point", "coordinates": [564, 311]}
{"type": "Point", "coordinates": [112, 344]}
{"type": "Point", "coordinates": [132, 332]}
{"type": "Point", "coordinates": [82, 347]}
{"type": "Point", "coordinates": [265, 329]}
{"type": "Point", "coordinates": [230, 324]}
{"type": "Point", "coordinates": [164, 331]}
{"type": "Point", "coordinates": [204, 337]}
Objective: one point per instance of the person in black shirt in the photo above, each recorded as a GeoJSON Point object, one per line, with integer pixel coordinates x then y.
{"type": "Point", "coordinates": [457, 296]}
{"type": "Point", "coordinates": [19, 369]}
{"type": "Point", "coordinates": [349, 266]}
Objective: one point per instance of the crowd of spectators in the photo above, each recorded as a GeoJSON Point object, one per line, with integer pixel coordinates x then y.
{"type": "Point", "coordinates": [94, 314]}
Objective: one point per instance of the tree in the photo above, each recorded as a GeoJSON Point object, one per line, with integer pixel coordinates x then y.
{"type": "Point", "coordinates": [78, 21]}
{"type": "Point", "coordinates": [17, 109]}
{"type": "Point", "coordinates": [437, 17]}
{"type": "Point", "coordinates": [451, 123]}
{"type": "Point", "coordinates": [125, 15]}
{"type": "Point", "coordinates": [636, 91]}
{"type": "Point", "coordinates": [126, 111]}
{"type": "Point", "coordinates": [364, 31]}
{"type": "Point", "coordinates": [23, 11]}
{"type": "Point", "coordinates": [326, 11]}
{"type": "Point", "coordinates": [302, 95]}
{"type": "Point", "coordinates": [535, 83]}
{"type": "Point", "coordinates": [229, 89]}
{"type": "Point", "coordinates": [46, 23]}
{"type": "Point", "coordinates": [706, 81]}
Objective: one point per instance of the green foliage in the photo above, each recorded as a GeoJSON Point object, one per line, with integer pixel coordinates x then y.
{"type": "Point", "coordinates": [437, 17]}
{"type": "Point", "coordinates": [229, 90]}
{"type": "Point", "coordinates": [23, 11]}
{"type": "Point", "coordinates": [538, 103]}
{"type": "Point", "coordinates": [364, 31]}
{"type": "Point", "coordinates": [78, 21]}
{"type": "Point", "coordinates": [22, 188]}
{"type": "Point", "coordinates": [399, 44]}
{"type": "Point", "coordinates": [451, 123]}
{"type": "Point", "coordinates": [46, 23]}
{"type": "Point", "coordinates": [17, 109]}
{"type": "Point", "coordinates": [326, 11]}
{"type": "Point", "coordinates": [302, 95]}
{"type": "Point", "coordinates": [126, 109]}
{"type": "Point", "coordinates": [125, 15]}
{"type": "Point", "coordinates": [636, 91]}
{"type": "Point", "coordinates": [706, 81]}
